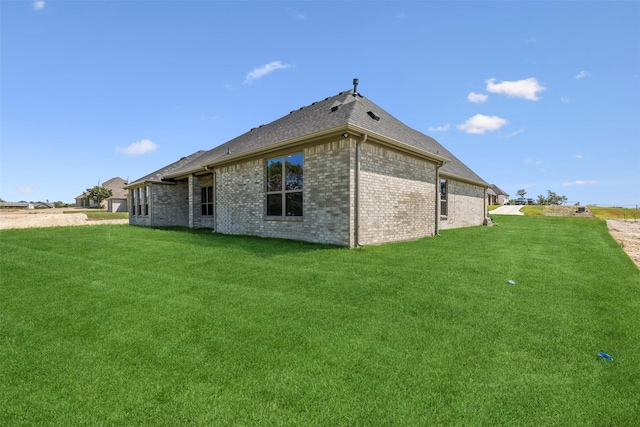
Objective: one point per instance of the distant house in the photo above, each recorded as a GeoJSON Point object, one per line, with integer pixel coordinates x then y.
{"type": "Point", "coordinates": [26, 205]}
{"type": "Point", "coordinates": [340, 171]}
{"type": "Point", "coordinates": [496, 196]}
{"type": "Point", "coordinates": [116, 203]}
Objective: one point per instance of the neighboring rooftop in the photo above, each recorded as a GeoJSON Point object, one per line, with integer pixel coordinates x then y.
{"type": "Point", "coordinates": [497, 190]}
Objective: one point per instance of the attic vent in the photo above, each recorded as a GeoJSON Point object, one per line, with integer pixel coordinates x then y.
{"type": "Point", "coordinates": [373, 115]}
{"type": "Point", "coordinates": [334, 108]}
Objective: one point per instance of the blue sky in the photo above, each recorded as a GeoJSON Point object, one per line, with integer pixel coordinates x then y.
{"type": "Point", "coordinates": [530, 95]}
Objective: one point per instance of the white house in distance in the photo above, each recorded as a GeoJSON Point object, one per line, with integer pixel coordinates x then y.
{"type": "Point", "coordinates": [496, 196]}
{"type": "Point", "coordinates": [340, 171]}
{"type": "Point", "coordinates": [116, 203]}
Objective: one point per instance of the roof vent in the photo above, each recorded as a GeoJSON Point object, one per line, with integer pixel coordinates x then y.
{"type": "Point", "coordinates": [355, 87]}
{"type": "Point", "coordinates": [334, 108]}
{"type": "Point", "coordinates": [373, 115]}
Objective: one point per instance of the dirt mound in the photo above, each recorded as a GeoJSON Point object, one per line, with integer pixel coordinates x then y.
{"type": "Point", "coordinates": [48, 218]}
{"type": "Point", "coordinates": [580, 211]}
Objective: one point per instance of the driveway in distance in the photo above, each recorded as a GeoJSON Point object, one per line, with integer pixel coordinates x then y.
{"type": "Point", "coordinates": [507, 210]}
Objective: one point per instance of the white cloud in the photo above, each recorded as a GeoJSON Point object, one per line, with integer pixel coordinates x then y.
{"type": "Point", "coordinates": [138, 148]}
{"type": "Point", "coordinates": [565, 100]}
{"type": "Point", "coordinates": [579, 182]}
{"type": "Point", "coordinates": [512, 134]}
{"type": "Point", "coordinates": [480, 124]}
{"type": "Point", "coordinates": [216, 117]}
{"type": "Point", "coordinates": [439, 128]}
{"type": "Point", "coordinates": [38, 5]}
{"type": "Point", "coordinates": [532, 161]}
{"type": "Point", "coordinates": [532, 40]}
{"type": "Point", "coordinates": [300, 16]}
{"type": "Point", "coordinates": [260, 72]}
{"type": "Point", "coordinates": [527, 88]}
{"type": "Point", "coordinates": [25, 189]}
{"type": "Point", "coordinates": [579, 156]}
{"type": "Point", "coordinates": [529, 185]}
{"type": "Point", "coordinates": [583, 74]}
{"type": "Point", "coordinates": [477, 98]}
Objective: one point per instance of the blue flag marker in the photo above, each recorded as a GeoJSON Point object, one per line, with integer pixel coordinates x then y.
{"type": "Point", "coordinates": [605, 356]}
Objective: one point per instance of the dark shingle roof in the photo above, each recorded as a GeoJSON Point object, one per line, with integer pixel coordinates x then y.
{"type": "Point", "coordinates": [333, 112]}
{"type": "Point", "coordinates": [498, 190]}
{"type": "Point", "coordinates": [161, 173]}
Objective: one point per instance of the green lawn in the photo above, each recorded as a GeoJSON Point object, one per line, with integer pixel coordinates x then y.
{"type": "Point", "coordinates": [615, 213]}
{"type": "Point", "coordinates": [114, 324]}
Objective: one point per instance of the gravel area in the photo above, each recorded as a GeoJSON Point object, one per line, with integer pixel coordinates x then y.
{"type": "Point", "coordinates": [627, 234]}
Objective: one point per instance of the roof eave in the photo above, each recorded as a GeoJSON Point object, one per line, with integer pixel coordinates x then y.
{"type": "Point", "coordinates": [394, 143]}
{"type": "Point", "coordinates": [145, 182]}
{"type": "Point", "coordinates": [289, 143]}
{"type": "Point", "coordinates": [463, 179]}
{"type": "Point", "coordinates": [305, 139]}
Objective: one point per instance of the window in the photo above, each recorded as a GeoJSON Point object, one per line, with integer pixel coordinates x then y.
{"type": "Point", "coordinates": [443, 197]}
{"type": "Point", "coordinates": [206, 199]}
{"type": "Point", "coordinates": [284, 185]}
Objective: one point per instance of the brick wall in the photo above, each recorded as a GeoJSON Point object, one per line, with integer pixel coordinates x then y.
{"type": "Point", "coordinates": [326, 198]}
{"type": "Point", "coordinates": [397, 196]}
{"type": "Point", "coordinates": [239, 198]}
{"type": "Point", "coordinates": [466, 205]}
{"type": "Point", "coordinates": [168, 206]}
{"type": "Point", "coordinates": [199, 220]}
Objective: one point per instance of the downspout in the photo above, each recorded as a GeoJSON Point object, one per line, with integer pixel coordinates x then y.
{"type": "Point", "coordinates": [215, 201]}
{"type": "Point", "coordinates": [437, 204]}
{"type": "Point", "coordinates": [357, 191]}
{"type": "Point", "coordinates": [486, 207]}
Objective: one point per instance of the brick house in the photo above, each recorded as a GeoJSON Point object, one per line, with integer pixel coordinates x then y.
{"type": "Point", "coordinates": [496, 196]}
{"type": "Point", "coordinates": [340, 171]}
{"type": "Point", "coordinates": [116, 203]}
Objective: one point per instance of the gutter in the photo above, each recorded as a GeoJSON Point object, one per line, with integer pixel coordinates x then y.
{"type": "Point", "coordinates": [138, 184]}
{"type": "Point", "coordinates": [468, 181]}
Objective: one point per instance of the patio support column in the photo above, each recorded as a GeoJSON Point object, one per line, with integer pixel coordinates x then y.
{"type": "Point", "coordinates": [143, 204]}
{"type": "Point", "coordinates": [190, 190]}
